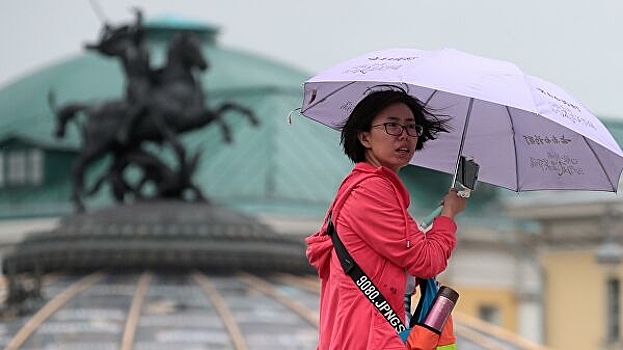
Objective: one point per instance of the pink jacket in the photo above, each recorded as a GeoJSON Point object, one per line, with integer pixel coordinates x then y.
{"type": "Point", "coordinates": [371, 218]}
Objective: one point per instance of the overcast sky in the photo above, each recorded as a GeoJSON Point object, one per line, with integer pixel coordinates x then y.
{"type": "Point", "coordinates": [575, 44]}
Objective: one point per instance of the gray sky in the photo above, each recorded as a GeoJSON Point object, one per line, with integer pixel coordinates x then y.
{"type": "Point", "coordinates": [575, 44]}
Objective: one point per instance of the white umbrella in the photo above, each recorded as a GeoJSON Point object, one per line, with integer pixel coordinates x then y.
{"type": "Point", "coordinates": [524, 132]}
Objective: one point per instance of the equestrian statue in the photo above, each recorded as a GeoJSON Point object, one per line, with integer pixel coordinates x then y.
{"type": "Point", "coordinates": [159, 104]}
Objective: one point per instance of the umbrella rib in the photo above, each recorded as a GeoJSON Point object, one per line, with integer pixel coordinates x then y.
{"type": "Point", "coordinates": [311, 105]}
{"type": "Point", "coordinates": [510, 118]}
{"type": "Point", "coordinates": [430, 97]}
{"type": "Point", "coordinates": [613, 186]}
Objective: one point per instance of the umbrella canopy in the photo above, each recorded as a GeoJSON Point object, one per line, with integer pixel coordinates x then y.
{"type": "Point", "coordinates": [524, 132]}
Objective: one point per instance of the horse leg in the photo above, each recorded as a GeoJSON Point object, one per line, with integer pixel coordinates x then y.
{"type": "Point", "coordinates": [209, 116]}
{"type": "Point", "coordinates": [77, 174]}
{"type": "Point", "coordinates": [90, 152]}
{"type": "Point", "coordinates": [169, 135]}
{"type": "Point", "coordinates": [241, 109]}
{"type": "Point", "coordinates": [225, 129]}
{"type": "Point", "coordinates": [114, 176]}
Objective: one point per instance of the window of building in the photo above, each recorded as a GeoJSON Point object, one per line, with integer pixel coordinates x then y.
{"type": "Point", "coordinates": [35, 166]}
{"type": "Point", "coordinates": [16, 174]}
{"type": "Point", "coordinates": [490, 314]}
{"type": "Point", "coordinates": [21, 168]}
{"type": "Point", "coordinates": [613, 310]}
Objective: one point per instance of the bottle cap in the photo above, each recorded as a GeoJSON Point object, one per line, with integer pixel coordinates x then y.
{"type": "Point", "coordinates": [449, 293]}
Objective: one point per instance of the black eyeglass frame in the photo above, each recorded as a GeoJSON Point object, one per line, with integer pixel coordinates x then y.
{"type": "Point", "coordinates": [419, 130]}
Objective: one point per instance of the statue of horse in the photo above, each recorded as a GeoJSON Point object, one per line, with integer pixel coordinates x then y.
{"type": "Point", "coordinates": [176, 105]}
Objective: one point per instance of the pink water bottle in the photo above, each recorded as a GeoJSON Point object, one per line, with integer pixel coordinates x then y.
{"type": "Point", "coordinates": [442, 307]}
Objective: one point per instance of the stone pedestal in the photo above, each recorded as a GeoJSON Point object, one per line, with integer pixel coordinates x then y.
{"type": "Point", "coordinates": [159, 235]}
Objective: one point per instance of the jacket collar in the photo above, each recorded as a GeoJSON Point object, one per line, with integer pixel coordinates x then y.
{"type": "Point", "coordinates": [366, 168]}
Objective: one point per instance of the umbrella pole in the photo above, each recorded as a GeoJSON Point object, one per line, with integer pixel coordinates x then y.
{"type": "Point", "coordinates": [427, 221]}
{"type": "Point", "coordinates": [458, 159]}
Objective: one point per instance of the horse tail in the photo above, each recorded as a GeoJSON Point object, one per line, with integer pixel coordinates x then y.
{"type": "Point", "coordinates": [63, 114]}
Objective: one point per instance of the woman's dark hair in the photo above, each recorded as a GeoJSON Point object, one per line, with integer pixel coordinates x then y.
{"type": "Point", "coordinates": [362, 115]}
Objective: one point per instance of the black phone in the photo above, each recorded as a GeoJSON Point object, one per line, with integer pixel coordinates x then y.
{"type": "Point", "coordinates": [465, 183]}
{"type": "Point", "coordinates": [467, 174]}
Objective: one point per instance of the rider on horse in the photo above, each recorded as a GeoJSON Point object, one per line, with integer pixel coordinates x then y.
{"type": "Point", "coordinates": [126, 42]}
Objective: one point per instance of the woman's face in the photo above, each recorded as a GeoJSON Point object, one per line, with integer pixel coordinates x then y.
{"type": "Point", "coordinates": [391, 151]}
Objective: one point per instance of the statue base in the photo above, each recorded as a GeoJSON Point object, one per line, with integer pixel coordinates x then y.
{"type": "Point", "coordinates": [159, 235]}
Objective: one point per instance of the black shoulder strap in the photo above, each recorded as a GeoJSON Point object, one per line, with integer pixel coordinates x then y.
{"type": "Point", "coordinates": [415, 317]}
{"type": "Point", "coordinates": [362, 281]}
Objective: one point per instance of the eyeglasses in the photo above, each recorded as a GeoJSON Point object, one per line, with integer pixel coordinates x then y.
{"type": "Point", "coordinates": [395, 129]}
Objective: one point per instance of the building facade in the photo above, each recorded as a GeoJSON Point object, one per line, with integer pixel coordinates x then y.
{"type": "Point", "coordinates": [579, 250]}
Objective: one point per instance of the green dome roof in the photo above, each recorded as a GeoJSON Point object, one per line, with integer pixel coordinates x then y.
{"type": "Point", "coordinates": [173, 22]}
{"type": "Point", "coordinates": [162, 28]}
{"type": "Point", "coordinates": [272, 167]}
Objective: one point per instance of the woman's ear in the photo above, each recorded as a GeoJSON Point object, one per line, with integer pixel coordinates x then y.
{"type": "Point", "coordinates": [364, 139]}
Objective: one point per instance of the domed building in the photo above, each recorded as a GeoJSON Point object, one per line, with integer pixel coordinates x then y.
{"type": "Point", "coordinates": [259, 170]}
{"type": "Point", "coordinates": [281, 173]}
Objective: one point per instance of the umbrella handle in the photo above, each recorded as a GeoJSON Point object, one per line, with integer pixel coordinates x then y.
{"type": "Point", "coordinates": [427, 221]}
{"type": "Point", "coordinates": [464, 182]}
{"type": "Point", "coordinates": [462, 191]}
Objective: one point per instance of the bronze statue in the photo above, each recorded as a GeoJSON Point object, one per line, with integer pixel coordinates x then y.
{"type": "Point", "coordinates": [168, 183]}
{"type": "Point", "coordinates": [126, 43]}
{"type": "Point", "coordinates": [158, 106]}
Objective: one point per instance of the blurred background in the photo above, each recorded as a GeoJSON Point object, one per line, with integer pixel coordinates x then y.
{"type": "Point", "coordinates": [534, 270]}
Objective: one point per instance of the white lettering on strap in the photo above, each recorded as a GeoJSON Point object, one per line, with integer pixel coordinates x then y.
{"type": "Point", "coordinates": [370, 291]}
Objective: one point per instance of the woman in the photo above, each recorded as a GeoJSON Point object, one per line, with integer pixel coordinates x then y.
{"type": "Point", "coordinates": [370, 216]}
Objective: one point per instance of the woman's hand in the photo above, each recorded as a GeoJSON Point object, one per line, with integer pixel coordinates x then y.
{"type": "Point", "coordinates": [453, 204]}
